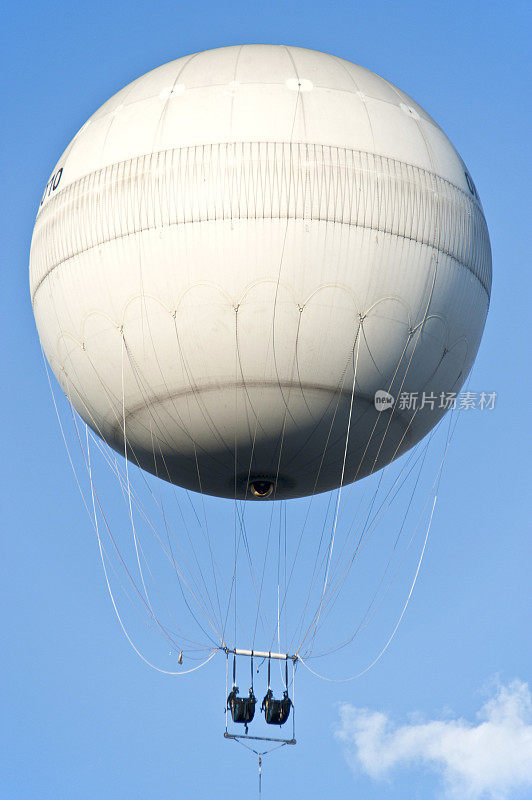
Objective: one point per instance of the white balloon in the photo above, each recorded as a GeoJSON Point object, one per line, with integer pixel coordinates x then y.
{"type": "Point", "coordinates": [239, 249]}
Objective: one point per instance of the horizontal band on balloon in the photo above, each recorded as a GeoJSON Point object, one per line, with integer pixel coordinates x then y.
{"type": "Point", "coordinates": [269, 181]}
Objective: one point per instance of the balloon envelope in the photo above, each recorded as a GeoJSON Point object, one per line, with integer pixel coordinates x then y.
{"type": "Point", "coordinates": [239, 250]}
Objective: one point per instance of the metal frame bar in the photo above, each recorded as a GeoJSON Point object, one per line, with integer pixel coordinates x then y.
{"type": "Point", "coordinates": [258, 738]}
{"type": "Point", "coordinates": [237, 651]}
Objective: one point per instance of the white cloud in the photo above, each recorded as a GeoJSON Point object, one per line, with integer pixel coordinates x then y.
{"type": "Point", "coordinates": [490, 760]}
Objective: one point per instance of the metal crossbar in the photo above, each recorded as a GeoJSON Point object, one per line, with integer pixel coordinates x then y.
{"type": "Point", "coordinates": [261, 654]}
{"type": "Point", "coordinates": [258, 738]}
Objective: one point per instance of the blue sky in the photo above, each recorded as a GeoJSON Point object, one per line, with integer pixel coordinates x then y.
{"type": "Point", "coordinates": [84, 717]}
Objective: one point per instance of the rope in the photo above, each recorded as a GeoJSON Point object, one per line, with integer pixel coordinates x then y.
{"type": "Point", "coordinates": [95, 425]}
{"type": "Point", "coordinates": [435, 487]}
{"type": "Point", "coordinates": [150, 411]}
{"type": "Point", "coordinates": [94, 522]}
{"type": "Point", "coordinates": [365, 533]}
{"type": "Point", "coordinates": [111, 595]}
{"type": "Point", "coordinates": [339, 495]}
{"type": "Point", "coordinates": [113, 465]}
{"type": "Point", "coordinates": [379, 656]}
{"type": "Point", "coordinates": [419, 329]}
{"type": "Point", "coordinates": [116, 470]}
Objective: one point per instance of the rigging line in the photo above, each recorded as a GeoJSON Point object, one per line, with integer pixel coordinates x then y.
{"type": "Point", "coordinates": [339, 390]}
{"type": "Point", "coordinates": [200, 606]}
{"type": "Point", "coordinates": [405, 348]}
{"type": "Point", "coordinates": [154, 617]}
{"type": "Point", "coordinates": [419, 329]}
{"type": "Point", "coordinates": [281, 443]}
{"type": "Point", "coordinates": [244, 383]}
{"type": "Point", "coordinates": [97, 428]}
{"type": "Point", "coordinates": [261, 752]}
{"type": "Point", "coordinates": [234, 584]}
{"type": "Point", "coordinates": [367, 618]}
{"type": "Point", "coordinates": [364, 526]}
{"type": "Point", "coordinates": [393, 457]}
{"type": "Point", "coordinates": [326, 602]}
{"type": "Point", "coordinates": [285, 588]}
{"type": "Point", "coordinates": [63, 435]}
{"type": "Point", "coordinates": [181, 633]}
{"type": "Point", "coordinates": [242, 532]}
{"type": "Point", "coordinates": [371, 524]}
{"type": "Point", "coordinates": [335, 521]}
{"type": "Point", "coordinates": [144, 390]}
{"type": "Point", "coordinates": [271, 337]}
{"type": "Point", "coordinates": [283, 246]}
{"type": "Point", "coordinates": [367, 527]}
{"type": "Point", "coordinates": [375, 520]}
{"type": "Point", "coordinates": [322, 566]}
{"type": "Point", "coordinates": [137, 651]}
{"type": "Point", "coordinates": [256, 429]}
{"type": "Point", "coordinates": [207, 533]}
{"type": "Point", "coordinates": [435, 487]}
{"type": "Point", "coordinates": [248, 553]}
{"type": "Point", "coordinates": [243, 537]}
{"type": "Point", "coordinates": [188, 642]}
{"type": "Point", "coordinates": [196, 392]}
{"type": "Point", "coordinates": [133, 527]}
{"type": "Point", "coordinates": [332, 586]}
{"type": "Point", "coordinates": [286, 412]}
{"type": "Point", "coordinates": [331, 425]}
{"type": "Point", "coordinates": [315, 572]}
{"type": "Point", "coordinates": [176, 571]}
{"type": "Point", "coordinates": [148, 567]}
{"type": "Point", "coordinates": [213, 567]}
{"type": "Point", "coordinates": [143, 300]}
{"type": "Point", "coordinates": [405, 469]}
{"type": "Point", "coordinates": [307, 515]}
{"type": "Point", "coordinates": [392, 635]}
{"type": "Point", "coordinates": [376, 490]}
{"type": "Point", "coordinates": [282, 529]}
{"type": "Point", "coordinates": [239, 511]}
{"type": "Point", "coordinates": [138, 378]}
{"type": "Point", "coordinates": [264, 618]}
{"type": "Point", "coordinates": [449, 437]}
{"type": "Point", "coordinates": [113, 408]}
{"type": "Point", "coordinates": [364, 624]}
{"type": "Point", "coordinates": [262, 576]}
{"type": "Point", "coordinates": [74, 471]}
{"type": "Point", "coordinates": [279, 573]}
{"type": "Point", "coordinates": [78, 482]}
{"type": "Point", "coordinates": [113, 465]}
{"type": "Point", "coordinates": [168, 610]}
{"type": "Point", "coordinates": [279, 465]}
{"type": "Point", "coordinates": [352, 529]}
{"type": "Point", "coordinates": [102, 551]}
{"type": "Point", "coordinates": [191, 541]}
{"type": "Point", "coordinates": [336, 393]}
{"type": "Point", "coordinates": [144, 393]}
